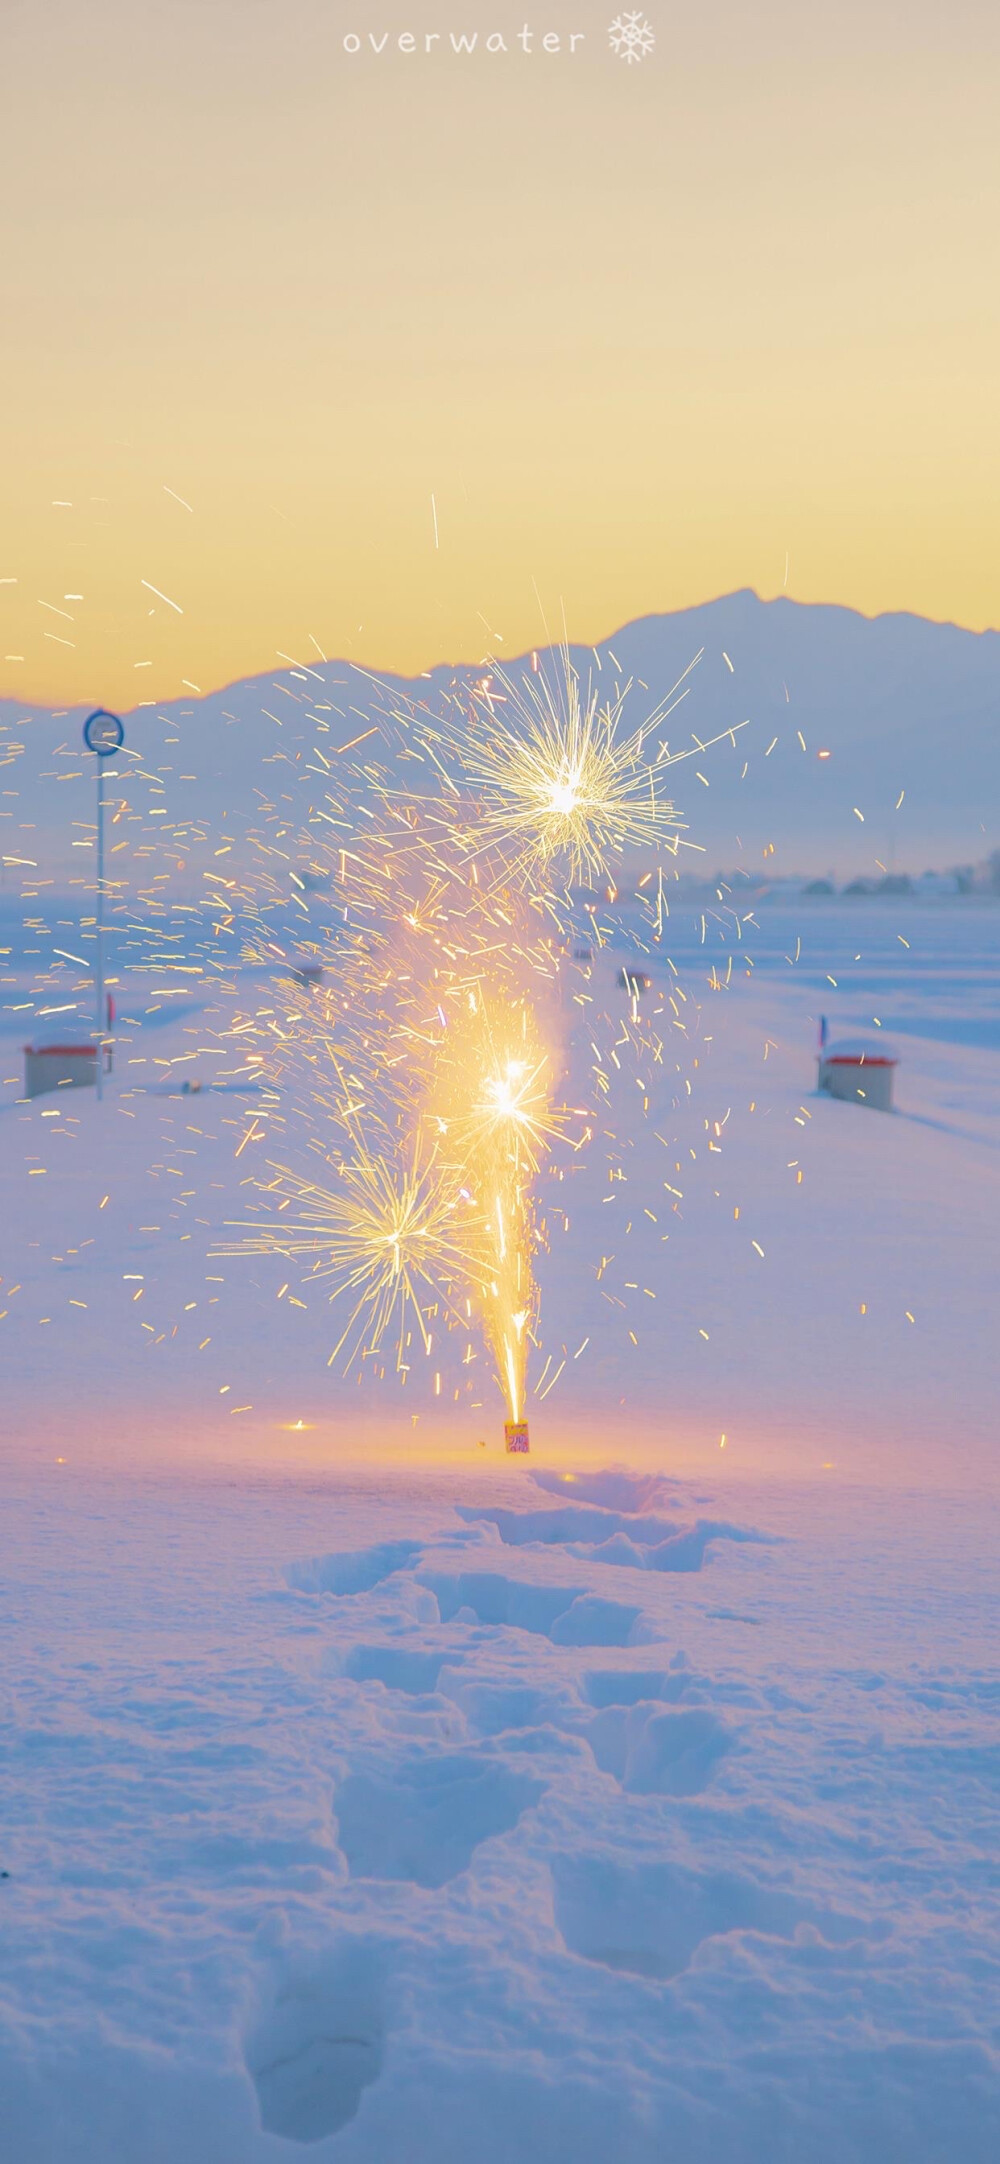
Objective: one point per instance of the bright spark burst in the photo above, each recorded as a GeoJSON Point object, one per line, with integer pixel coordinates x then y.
{"type": "Point", "coordinates": [419, 1001]}
{"type": "Point", "coordinates": [490, 1105]}
{"type": "Point", "coordinates": [492, 1089]}
{"type": "Point", "coordinates": [558, 788]}
{"type": "Point", "coordinates": [397, 1236]}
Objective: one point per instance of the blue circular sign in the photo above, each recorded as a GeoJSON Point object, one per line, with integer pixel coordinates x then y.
{"type": "Point", "coordinates": [103, 733]}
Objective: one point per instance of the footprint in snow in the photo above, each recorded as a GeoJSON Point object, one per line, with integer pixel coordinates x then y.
{"type": "Point", "coordinates": [318, 2045]}
{"type": "Point", "coordinates": [568, 1615]}
{"type": "Point", "coordinates": [650, 1919]}
{"type": "Point", "coordinates": [425, 1820]}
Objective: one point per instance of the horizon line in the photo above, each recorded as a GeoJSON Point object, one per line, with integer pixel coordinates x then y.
{"type": "Point", "coordinates": [373, 670]}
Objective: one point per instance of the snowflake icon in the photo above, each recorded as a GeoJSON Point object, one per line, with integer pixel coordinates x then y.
{"type": "Point", "coordinates": [631, 36]}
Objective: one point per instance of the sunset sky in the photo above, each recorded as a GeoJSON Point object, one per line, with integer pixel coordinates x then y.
{"type": "Point", "coordinates": [632, 335]}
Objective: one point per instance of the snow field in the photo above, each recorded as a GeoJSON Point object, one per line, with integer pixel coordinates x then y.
{"type": "Point", "coordinates": [812, 1281]}
{"type": "Point", "coordinates": [368, 1797]}
{"type": "Point", "coordinates": [440, 1841]}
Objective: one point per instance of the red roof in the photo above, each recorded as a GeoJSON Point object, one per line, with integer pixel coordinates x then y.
{"type": "Point", "coordinates": [62, 1051]}
{"type": "Point", "coordinates": [858, 1052]}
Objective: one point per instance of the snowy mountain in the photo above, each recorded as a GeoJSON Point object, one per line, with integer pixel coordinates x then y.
{"type": "Point", "coordinates": [905, 710]}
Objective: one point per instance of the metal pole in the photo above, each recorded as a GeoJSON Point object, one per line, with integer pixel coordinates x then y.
{"type": "Point", "coordinates": [99, 928]}
{"type": "Point", "coordinates": [104, 736]}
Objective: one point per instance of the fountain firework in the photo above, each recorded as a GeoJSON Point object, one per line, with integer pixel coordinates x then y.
{"type": "Point", "coordinates": [432, 1056]}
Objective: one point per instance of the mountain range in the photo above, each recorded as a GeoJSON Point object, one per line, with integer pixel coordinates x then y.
{"type": "Point", "coordinates": [858, 743]}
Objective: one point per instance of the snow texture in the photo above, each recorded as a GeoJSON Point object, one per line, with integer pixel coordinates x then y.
{"type": "Point", "coordinates": [368, 1797]}
{"type": "Point", "coordinates": [369, 1856]}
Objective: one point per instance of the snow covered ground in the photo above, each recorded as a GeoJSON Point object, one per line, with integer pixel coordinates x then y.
{"type": "Point", "coordinates": [786, 1327]}
{"type": "Point", "coordinates": [370, 1795]}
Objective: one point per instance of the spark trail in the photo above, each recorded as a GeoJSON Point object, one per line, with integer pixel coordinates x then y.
{"type": "Point", "coordinates": [437, 899]}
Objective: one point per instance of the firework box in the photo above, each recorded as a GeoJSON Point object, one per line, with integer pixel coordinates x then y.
{"type": "Point", "coordinates": [515, 1436]}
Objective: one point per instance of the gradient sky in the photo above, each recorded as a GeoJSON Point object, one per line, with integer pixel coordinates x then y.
{"type": "Point", "coordinates": [641, 332]}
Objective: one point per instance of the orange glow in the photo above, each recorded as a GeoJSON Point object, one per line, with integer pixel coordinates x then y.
{"type": "Point", "coordinates": [285, 347]}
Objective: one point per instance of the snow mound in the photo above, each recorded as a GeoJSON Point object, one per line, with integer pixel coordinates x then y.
{"type": "Point", "coordinates": [357, 1571]}
{"type": "Point", "coordinates": [652, 1918]}
{"type": "Point", "coordinates": [659, 1754]}
{"type": "Point", "coordinates": [400, 1668]}
{"type": "Point", "coordinates": [595, 1534]}
{"type": "Point", "coordinates": [616, 1488]}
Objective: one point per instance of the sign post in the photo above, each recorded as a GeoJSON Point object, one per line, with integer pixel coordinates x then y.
{"type": "Point", "coordinates": [104, 735]}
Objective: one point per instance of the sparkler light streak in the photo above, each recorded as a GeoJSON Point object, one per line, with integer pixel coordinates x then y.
{"type": "Point", "coordinates": [430, 1033]}
{"type": "Point", "coordinates": [397, 1236]}
{"type": "Point", "coordinates": [545, 775]}
{"type": "Point", "coordinates": [411, 949]}
{"type": "Point", "coordinates": [437, 924]}
{"type": "Point", "coordinates": [556, 784]}
{"type": "Point", "coordinates": [491, 1106]}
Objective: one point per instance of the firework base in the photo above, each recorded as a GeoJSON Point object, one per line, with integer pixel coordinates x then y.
{"type": "Point", "coordinates": [515, 1436]}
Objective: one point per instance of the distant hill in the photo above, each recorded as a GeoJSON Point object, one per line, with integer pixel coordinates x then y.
{"type": "Point", "coordinates": [902, 706]}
